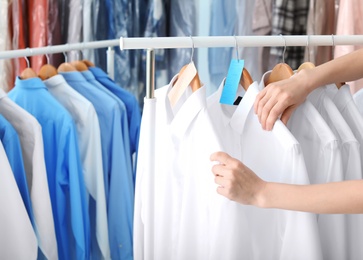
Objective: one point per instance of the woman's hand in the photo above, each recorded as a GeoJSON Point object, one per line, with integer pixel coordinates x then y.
{"type": "Point", "coordinates": [281, 99]}
{"type": "Point", "coordinates": [236, 181]}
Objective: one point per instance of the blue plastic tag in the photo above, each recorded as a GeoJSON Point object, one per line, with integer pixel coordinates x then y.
{"type": "Point", "coordinates": [231, 85]}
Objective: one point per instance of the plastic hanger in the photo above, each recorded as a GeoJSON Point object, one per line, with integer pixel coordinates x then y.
{"type": "Point", "coordinates": [188, 76]}
{"type": "Point", "coordinates": [47, 70]}
{"type": "Point", "coordinates": [281, 71]}
{"type": "Point", "coordinates": [66, 66]}
{"type": "Point", "coordinates": [28, 72]}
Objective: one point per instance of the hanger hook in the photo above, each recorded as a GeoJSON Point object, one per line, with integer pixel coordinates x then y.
{"type": "Point", "coordinates": [191, 57]}
{"type": "Point", "coordinates": [333, 47]}
{"type": "Point", "coordinates": [26, 58]}
{"type": "Point", "coordinates": [308, 47]}
{"type": "Point", "coordinates": [283, 54]}
{"type": "Point", "coordinates": [47, 55]}
{"type": "Point", "coordinates": [235, 39]}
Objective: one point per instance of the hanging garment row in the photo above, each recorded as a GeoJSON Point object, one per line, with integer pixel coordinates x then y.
{"type": "Point", "coordinates": [69, 140]}
{"type": "Point", "coordinates": [179, 214]}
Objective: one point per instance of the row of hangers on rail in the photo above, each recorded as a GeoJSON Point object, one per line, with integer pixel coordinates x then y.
{"type": "Point", "coordinates": [47, 70]}
{"type": "Point", "coordinates": [188, 75]}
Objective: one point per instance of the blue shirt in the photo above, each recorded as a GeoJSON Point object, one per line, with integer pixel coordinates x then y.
{"type": "Point", "coordinates": [12, 147]}
{"type": "Point", "coordinates": [64, 171]}
{"type": "Point", "coordinates": [118, 184]}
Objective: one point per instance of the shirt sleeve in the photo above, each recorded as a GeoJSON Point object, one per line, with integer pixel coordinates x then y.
{"type": "Point", "coordinates": [121, 195]}
{"type": "Point", "coordinates": [73, 192]}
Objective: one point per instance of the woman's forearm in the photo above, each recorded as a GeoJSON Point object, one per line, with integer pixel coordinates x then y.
{"type": "Point", "coordinates": [336, 197]}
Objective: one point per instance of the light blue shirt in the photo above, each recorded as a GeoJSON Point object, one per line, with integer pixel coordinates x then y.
{"type": "Point", "coordinates": [118, 184]}
{"type": "Point", "coordinates": [132, 106]}
{"type": "Point", "coordinates": [11, 143]}
{"type": "Point", "coordinates": [64, 171]}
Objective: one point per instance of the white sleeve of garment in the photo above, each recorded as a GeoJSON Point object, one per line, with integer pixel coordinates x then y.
{"type": "Point", "coordinates": [301, 238]}
{"type": "Point", "coordinates": [91, 153]}
{"type": "Point", "coordinates": [40, 197]}
{"type": "Point", "coordinates": [17, 237]}
{"type": "Point", "coordinates": [145, 171]}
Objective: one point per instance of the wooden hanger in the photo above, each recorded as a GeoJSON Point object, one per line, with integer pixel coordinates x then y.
{"type": "Point", "coordinates": [47, 71]}
{"type": "Point", "coordinates": [79, 65]}
{"type": "Point", "coordinates": [28, 72]}
{"type": "Point", "coordinates": [195, 83]}
{"type": "Point", "coordinates": [246, 79]}
{"type": "Point", "coordinates": [88, 63]}
{"type": "Point", "coordinates": [66, 67]}
{"type": "Point", "coordinates": [306, 65]}
{"type": "Point", "coordinates": [280, 72]}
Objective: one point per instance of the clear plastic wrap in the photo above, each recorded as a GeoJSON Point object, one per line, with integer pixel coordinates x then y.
{"type": "Point", "coordinates": [74, 27]}
{"type": "Point", "coordinates": [38, 24]}
{"type": "Point", "coordinates": [182, 23]}
{"type": "Point", "coordinates": [54, 32]}
{"type": "Point", "coordinates": [6, 71]}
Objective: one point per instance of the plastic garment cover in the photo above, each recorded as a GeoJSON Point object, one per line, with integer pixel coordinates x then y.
{"type": "Point", "coordinates": [63, 10]}
{"type": "Point", "coordinates": [101, 31]}
{"type": "Point", "coordinates": [155, 27]}
{"type": "Point", "coordinates": [321, 21]}
{"type": "Point", "coordinates": [54, 32]}
{"type": "Point", "coordinates": [88, 32]}
{"type": "Point", "coordinates": [222, 23]}
{"type": "Point", "coordinates": [350, 13]}
{"type": "Point", "coordinates": [37, 20]}
{"type": "Point", "coordinates": [19, 34]}
{"type": "Point", "coordinates": [74, 27]}
{"type": "Point", "coordinates": [6, 76]}
{"type": "Point", "coordinates": [122, 13]}
{"type": "Point", "coordinates": [182, 23]}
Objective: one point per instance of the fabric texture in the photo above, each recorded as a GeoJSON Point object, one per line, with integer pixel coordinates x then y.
{"type": "Point", "coordinates": [89, 141]}
{"type": "Point", "coordinates": [31, 139]}
{"type": "Point", "coordinates": [64, 170]}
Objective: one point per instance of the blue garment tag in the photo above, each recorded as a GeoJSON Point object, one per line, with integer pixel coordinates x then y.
{"type": "Point", "coordinates": [231, 85]}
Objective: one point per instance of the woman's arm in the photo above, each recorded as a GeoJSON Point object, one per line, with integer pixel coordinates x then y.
{"type": "Point", "coordinates": [282, 97]}
{"type": "Point", "coordinates": [238, 183]}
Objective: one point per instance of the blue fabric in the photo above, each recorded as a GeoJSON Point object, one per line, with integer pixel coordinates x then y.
{"type": "Point", "coordinates": [132, 106]}
{"type": "Point", "coordinates": [12, 147]}
{"type": "Point", "coordinates": [118, 184]}
{"type": "Point", "coordinates": [64, 170]}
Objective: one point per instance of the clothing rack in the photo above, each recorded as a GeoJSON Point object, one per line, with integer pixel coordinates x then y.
{"type": "Point", "coordinates": [185, 42]}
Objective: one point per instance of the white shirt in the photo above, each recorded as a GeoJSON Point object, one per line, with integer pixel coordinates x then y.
{"type": "Point", "coordinates": [182, 178]}
{"type": "Point", "coordinates": [274, 156]}
{"type": "Point", "coordinates": [89, 141]}
{"type": "Point", "coordinates": [17, 237]}
{"type": "Point", "coordinates": [343, 99]}
{"type": "Point", "coordinates": [349, 144]}
{"type": "Point", "coordinates": [31, 139]}
{"type": "Point", "coordinates": [324, 164]}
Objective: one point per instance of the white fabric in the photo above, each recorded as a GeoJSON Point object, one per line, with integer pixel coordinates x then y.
{"type": "Point", "coordinates": [349, 144]}
{"type": "Point", "coordinates": [89, 140]}
{"type": "Point", "coordinates": [324, 164]}
{"type": "Point", "coordinates": [343, 99]}
{"type": "Point", "coordinates": [181, 177]}
{"type": "Point", "coordinates": [350, 149]}
{"type": "Point", "coordinates": [75, 27]}
{"type": "Point", "coordinates": [31, 139]}
{"type": "Point", "coordinates": [17, 237]}
{"type": "Point", "coordinates": [275, 156]}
